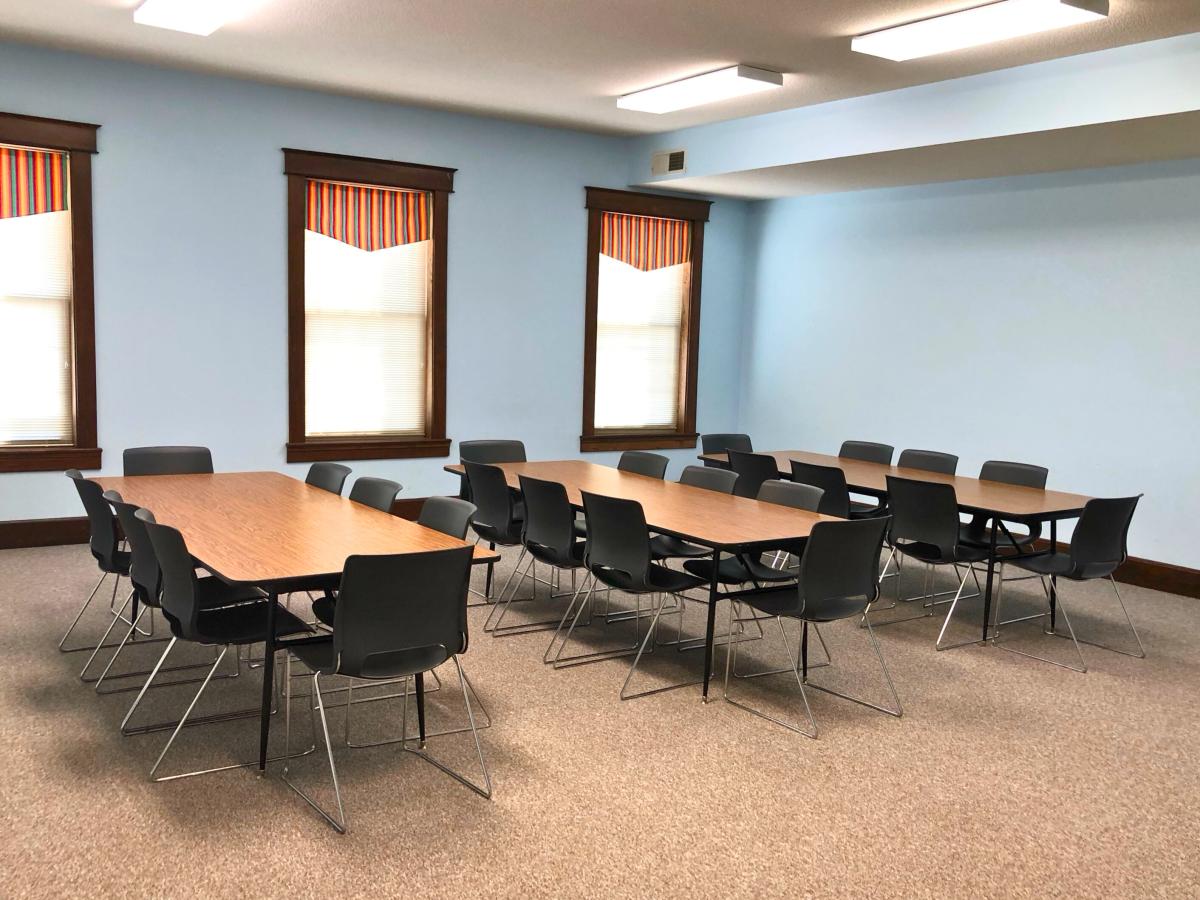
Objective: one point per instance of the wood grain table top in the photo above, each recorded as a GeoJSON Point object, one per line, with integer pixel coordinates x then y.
{"type": "Point", "coordinates": [265, 527]}
{"type": "Point", "coordinates": [973, 493]}
{"type": "Point", "coordinates": [702, 516]}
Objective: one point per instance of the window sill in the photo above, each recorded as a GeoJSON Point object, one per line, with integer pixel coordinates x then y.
{"type": "Point", "coordinates": [48, 459]}
{"type": "Point", "coordinates": [337, 450]}
{"type": "Point", "coordinates": [636, 440]}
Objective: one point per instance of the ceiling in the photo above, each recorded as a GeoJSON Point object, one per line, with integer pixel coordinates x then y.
{"type": "Point", "coordinates": [1149, 139]}
{"type": "Point", "coordinates": [564, 63]}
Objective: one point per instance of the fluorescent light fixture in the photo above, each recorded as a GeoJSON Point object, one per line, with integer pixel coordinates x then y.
{"type": "Point", "coordinates": [979, 25]}
{"type": "Point", "coordinates": [722, 84]}
{"type": "Point", "coordinates": [201, 17]}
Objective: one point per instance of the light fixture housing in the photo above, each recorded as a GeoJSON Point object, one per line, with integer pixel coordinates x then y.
{"type": "Point", "coordinates": [978, 25]}
{"type": "Point", "coordinates": [201, 17]}
{"type": "Point", "coordinates": [736, 81]}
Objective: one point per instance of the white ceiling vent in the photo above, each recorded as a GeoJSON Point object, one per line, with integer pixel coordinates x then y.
{"type": "Point", "coordinates": [667, 162]}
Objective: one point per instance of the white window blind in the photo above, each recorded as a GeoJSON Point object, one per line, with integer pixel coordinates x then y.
{"type": "Point", "coordinates": [37, 400]}
{"type": "Point", "coordinates": [365, 332]}
{"type": "Point", "coordinates": [639, 321]}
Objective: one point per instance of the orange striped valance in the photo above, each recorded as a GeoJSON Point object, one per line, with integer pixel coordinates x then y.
{"type": "Point", "coordinates": [368, 218]}
{"type": "Point", "coordinates": [32, 182]}
{"type": "Point", "coordinates": [645, 242]}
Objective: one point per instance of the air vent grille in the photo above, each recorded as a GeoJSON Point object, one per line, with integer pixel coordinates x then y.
{"type": "Point", "coordinates": [668, 162]}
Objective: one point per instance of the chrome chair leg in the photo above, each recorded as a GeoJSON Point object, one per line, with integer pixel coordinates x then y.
{"type": "Point", "coordinates": [117, 618]}
{"type": "Point", "coordinates": [898, 711]}
{"type": "Point", "coordinates": [495, 627]}
{"type": "Point", "coordinates": [647, 641]}
{"type": "Point", "coordinates": [338, 824]}
{"type": "Point", "coordinates": [579, 659]}
{"type": "Point", "coordinates": [404, 717]}
{"type": "Point", "coordinates": [1141, 650]}
{"type": "Point", "coordinates": [581, 589]}
{"type": "Point", "coordinates": [731, 666]}
{"type": "Point", "coordinates": [950, 615]}
{"type": "Point", "coordinates": [484, 790]}
{"type": "Point", "coordinates": [1081, 668]}
{"type": "Point", "coordinates": [62, 648]}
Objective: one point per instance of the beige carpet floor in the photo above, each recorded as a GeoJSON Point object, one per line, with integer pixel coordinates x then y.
{"type": "Point", "coordinates": [1004, 777]}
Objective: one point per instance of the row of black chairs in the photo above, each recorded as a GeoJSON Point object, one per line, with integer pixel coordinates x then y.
{"type": "Point", "coordinates": [395, 617]}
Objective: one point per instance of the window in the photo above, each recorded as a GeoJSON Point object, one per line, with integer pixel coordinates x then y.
{"type": "Point", "coordinates": [366, 308]}
{"type": "Point", "coordinates": [47, 341]}
{"type": "Point", "coordinates": [642, 331]}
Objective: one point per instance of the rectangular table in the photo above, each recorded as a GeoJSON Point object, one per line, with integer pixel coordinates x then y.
{"type": "Point", "coordinates": [993, 499]}
{"type": "Point", "coordinates": [275, 532]}
{"type": "Point", "coordinates": [722, 522]}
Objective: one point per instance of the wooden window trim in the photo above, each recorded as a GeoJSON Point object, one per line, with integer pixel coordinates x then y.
{"type": "Point", "coordinates": [601, 200]}
{"type": "Point", "coordinates": [299, 167]}
{"type": "Point", "coordinates": [79, 141]}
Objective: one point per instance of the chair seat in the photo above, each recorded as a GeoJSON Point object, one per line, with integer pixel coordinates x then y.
{"type": "Point", "coordinates": [120, 563]}
{"type": "Point", "coordinates": [975, 537]}
{"type": "Point", "coordinates": [666, 546]}
{"type": "Point", "coordinates": [866, 510]}
{"type": "Point", "coordinates": [323, 608]}
{"type": "Point", "coordinates": [1045, 564]}
{"type": "Point", "coordinates": [245, 623]}
{"type": "Point", "coordinates": [929, 553]}
{"type": "Point", "coordinates": [212, 593]}
{"type": "Point", "coordinates": [732, 571]}
{"type": "Point", "coordinates": [786, 603]}
{"type": "Point", "coordinates": [580, 527]}
{"type": "Point", "coordinates": [573, 559]}
{"type": "Point", "coordinates": [318, 656]}
{"type": "Point", "coordinates": [660, 578]}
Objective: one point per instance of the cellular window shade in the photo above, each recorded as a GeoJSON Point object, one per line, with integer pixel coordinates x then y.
{"type": "Point", "coordinates": [37, 402]}
{"type": "Point", "coordinates": [366, 324]}
{"type": "Point", "coordinates": [639, 321]}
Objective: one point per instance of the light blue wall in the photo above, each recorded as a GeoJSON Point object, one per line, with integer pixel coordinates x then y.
{"type": "Point", "coordinates": [1053, 319]}
{"type": "Point", "coordinates": [191, 260]}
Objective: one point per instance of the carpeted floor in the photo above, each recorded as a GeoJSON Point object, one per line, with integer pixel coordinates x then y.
{"type": "Point", "coordinates": [1005, 776]}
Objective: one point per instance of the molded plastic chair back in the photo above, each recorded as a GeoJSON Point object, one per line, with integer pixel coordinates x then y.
{"type": "Point", "coordinates": [328, 476]}
{"type": "Point", "coordinates": [102, 534]}
{"type": "Point", "coordinates": [487, 452]}
{"type": "Point", "coordinates": [179, 602]}
{"type": "Point", "coordinates": [924, 511]}
{"type": "Point", "coordinates": [928, 461]}
{"type": "Point", "coordinates": [723, 443]}
{"type": "Point", "coordinates": [711, 479]}
{"type": "Point", "coordinates": [867, 451]}
{"type": "Point", "coordinates": [168, 461]}
{"type": "Point", "coordinates": [549, 531]}
{"type": "Point", "coordinates": [618, 539]}
{"type": "Point", "coordinates": [752, 470]}
{"type": "Point", "coordinates": [835, 501]}
{"type": "Point", "coordinates": [1098, 543]}
{"type": "Point", "coordinates": [494, 518]}
{"type": "Point", "coordinates": [448, 515]}
{"type": "Point", "coordinates": [840, 563]}
{"type": "Point", "coordinates": [788, 493]}
{"type": "Point", "coordinates": [144, 571]}
{"type": "Point", "coordinates": [1023, 474]}
{"type": "Point", "coordinates": [640, 462]}
{"type": "Point", "coordinates": [402, 614]}
{"type": "Point", "coordinates": [378, 493]}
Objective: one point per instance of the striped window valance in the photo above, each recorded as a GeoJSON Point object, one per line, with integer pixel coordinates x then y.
{"type": "Point", "coordinates": [32, 182]}
{"type": "Point", "coordinates": [645, 242]}
{"type": "Point", "coordinates": [368, 218]}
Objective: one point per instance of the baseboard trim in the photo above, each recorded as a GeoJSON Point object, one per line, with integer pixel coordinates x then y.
{"type": "Point", "coordinates": [43, 532]}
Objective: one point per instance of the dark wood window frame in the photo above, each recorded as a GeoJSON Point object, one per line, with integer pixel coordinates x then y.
{"type": "Point", "coordinates": [78, 140]}
{"type": "Point", "coordinates": [602, 200]}
{"type": "Point", "coordinates": [300, 166]}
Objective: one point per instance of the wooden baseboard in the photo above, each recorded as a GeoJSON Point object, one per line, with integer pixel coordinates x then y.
{"type": "Point", "coordinates": [43, 532]}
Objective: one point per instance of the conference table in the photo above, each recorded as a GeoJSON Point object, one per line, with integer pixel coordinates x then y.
{"type": "Point", "coordinates": [276, 533]}
{"type": "Point", "coordinates": [720, 522]}
{"type": "Point", "coordinates": [996, 501]}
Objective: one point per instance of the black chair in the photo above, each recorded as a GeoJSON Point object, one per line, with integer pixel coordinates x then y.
{"type": "Point", "coordinates": [548, 537]}
{"type": "Point", "coordinates": [652, 465]}
{"type": "Point", "coordinates": [723, 443]}
{"type": "Point", "coordinates": [867, 451]}
{"type": "Point", "coordinates": [617, 556]}
{"type": "Point", "coordinates": [490, 451]}
{"type": "Point", "coordinates": [327, 476]}
{"type": "Point", "coordinates": [102, 541]}
{"type": "Point", "coordinates": [750, 567]}
{"type": "Point", "coordinates": [208, 612]}
{"type": "Point", "coordinates": [835, 499]}
{"type": "Point", "coordinates": [975, 532]}
{"type": "Point", "coordinates": [752, 470]}
{"type": "Point", "coordinates": [666, 546]}
{"type": "Point", "coordinates": [398, 616]}
{"type": "Point", "coordinates": [1098, 547]}
{"type": "Point", "coordinates": [168, 461]}
{"type": "Point", "coordinates": [928, 461]}
{"type": "Point", "coordinates": [377, 493]}
{"type": "Point", "coordinates": [500, 514]}
{"type": "Point", "coordinates": [925, 527]}
{"type": "Point", "coordinates": [837, 580]}
{"type": "Point", "coordinates": [449, 515]}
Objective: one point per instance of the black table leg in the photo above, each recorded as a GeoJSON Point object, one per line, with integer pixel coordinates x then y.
{"type": "Point", "coordinates": [1053, 579]}
{"type": "Point", "coordinates": [268, 671]}
{"type": "Point", "coordinates": [712, 621]}
{"type": "Point", "coordinates": [987, 594]}
{"type": "Point", "coordinates": [420, 679]}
